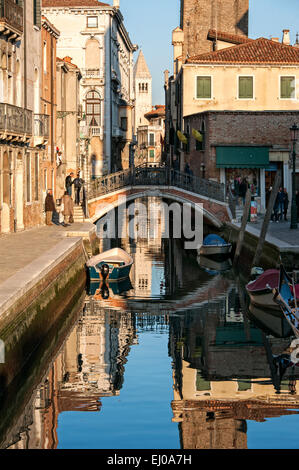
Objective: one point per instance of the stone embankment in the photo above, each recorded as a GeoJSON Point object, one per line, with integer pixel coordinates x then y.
{"type": "Point", "coordinates": [42, 278]}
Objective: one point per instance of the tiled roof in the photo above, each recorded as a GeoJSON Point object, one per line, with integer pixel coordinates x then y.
{"type": "Point", "coordinates": [73, 3]}
{"type": "Point", "coordinates": [227, 37]}
{"type": "Point", "coordinates": [158, 110]}
{"type": "Point", "coordinates": [258, 51]}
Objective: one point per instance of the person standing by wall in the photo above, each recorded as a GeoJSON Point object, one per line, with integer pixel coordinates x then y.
{"type": "Point", "coordinates": [68, 209]}
{"type": "Point", "coordinates": [78, 183]}
{"type": "Point", "coordinates": [286, 203]}
{"type": "Point", "coordinates": [49, 207]}
{"type": "Point", "coordinates": [68, 183]}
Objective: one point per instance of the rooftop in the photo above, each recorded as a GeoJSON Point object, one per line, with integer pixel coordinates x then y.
{"type": "Point", "coordinates": [73, 3]}
{"type": "Point", "coordinates": [257, 51]}
{"type": "Point", "coordinates": [228, 37]}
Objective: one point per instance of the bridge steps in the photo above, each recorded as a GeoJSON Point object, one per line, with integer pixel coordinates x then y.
{"type": "Point", "coordinates": [78, 214]}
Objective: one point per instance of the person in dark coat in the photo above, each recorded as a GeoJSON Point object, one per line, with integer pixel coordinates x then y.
{"type": "Point", "coordinates": [297, 203]}
{"type": "Point", "coordinates": [285, 203]}
{"type": "Point", "coordinates": [280, 201]}
{"type": "Point", "coordinates": [276, 209]}
{"type": "Point", "coordinates": [78, 183]}
{"type": "Point", "coordinates": [49, 207]}
{"type": "Point", "coordinates": [243, 189]}
{"type": "Point", "coordinates": [68, 183]}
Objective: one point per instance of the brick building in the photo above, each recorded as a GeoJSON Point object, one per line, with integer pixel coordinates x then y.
{"type": "Point", "coordinates": [45, 122]}
{"type": "Point", "coordinates": [21, 148]}
{"type": "Point", "coordinates": [198, 16]}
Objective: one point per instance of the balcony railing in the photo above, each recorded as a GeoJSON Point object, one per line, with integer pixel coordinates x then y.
{"type": "Point", "coordinates": [11, 17]}
{"type": "Point", "coordinates": [41, 125]}
{"type": "Point", "coordinates": [93, 73]}
{"type": "Point", "coordinates": [15, 120]}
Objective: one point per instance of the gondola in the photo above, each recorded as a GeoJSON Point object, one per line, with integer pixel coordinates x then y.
{"type": "Point", "coordinates": [284, 297]}
{"type": "Point", "coordinates": [260, 290]}
{"type": "Point", "coordinates": [112, 265]}
{"type": "Point", "coordinates": [213, 245]}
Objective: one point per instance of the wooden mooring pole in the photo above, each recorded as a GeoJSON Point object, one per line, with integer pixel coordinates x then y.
{"type": "Point", "coordinates": [262, 238]}
{"type": "Point", "coordinates": [243, 226]}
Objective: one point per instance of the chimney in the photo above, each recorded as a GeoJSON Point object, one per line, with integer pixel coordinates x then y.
{"type": "Point", "coordinates": [116, 3]}
{"type": "Point", "coordinates": [286, 37]}
{"type": "Point", "coordinates": [297, 41]}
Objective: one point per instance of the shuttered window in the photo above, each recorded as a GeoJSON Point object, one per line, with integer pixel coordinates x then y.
{"type": "Point", "coordinates": [37, 13]}
{"type": "Point", "coordinates": [152, 154]}
{"type": "Point", "coordinates": [287, 87]}
{"type": "Point", "coordinates": [204, 87]}
{"type": "Point", "coordinates": [245, 88]}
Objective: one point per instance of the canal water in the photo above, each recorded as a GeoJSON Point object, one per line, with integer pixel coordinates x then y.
{"type": "Point", "coordinates": [174, 358]}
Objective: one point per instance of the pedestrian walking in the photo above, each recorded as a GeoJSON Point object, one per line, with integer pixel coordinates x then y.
{"type": "Point", "coordinates": [243, 189]}
{"type": "Point", "coordinates": [276, 210]}
{"type": "Point", "coordinates": [68, 209]}
{"type": "Point", "coordinates": [49, 207]}
{"type": "Point", "coordinates": [78, 183]}
{"type": "Point", "coordinates": [68, 183]}
{"type": "Point", "coordinates": [280, 202]}
{"type": "Point", "coordinates": [285, 203]}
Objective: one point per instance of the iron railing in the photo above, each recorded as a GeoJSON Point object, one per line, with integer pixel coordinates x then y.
{"type": "Point", "coordinates": [11, 14]}
{"type": "Point", "coordinates": [15, 120]}
{"type": "Point", "coordinates": [41, 125]}
{"type": "Point", "coordinates": [153, 175]}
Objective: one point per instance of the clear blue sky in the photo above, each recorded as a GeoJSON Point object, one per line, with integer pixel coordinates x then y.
{"type": "Point", "coordinates": [150, 24]}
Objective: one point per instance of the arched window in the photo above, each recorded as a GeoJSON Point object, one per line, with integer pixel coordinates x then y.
{"type": "Point", "coordinates": [93, 109]}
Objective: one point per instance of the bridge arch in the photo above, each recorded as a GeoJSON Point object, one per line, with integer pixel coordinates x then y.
{"type": "Point", "coordinates": [107, 203]}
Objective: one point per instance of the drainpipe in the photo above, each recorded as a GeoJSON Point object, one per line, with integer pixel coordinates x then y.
{"type": "Point", "coordinates": [52, 102]}
{"type": "Point", "coordinates": [111, 97]}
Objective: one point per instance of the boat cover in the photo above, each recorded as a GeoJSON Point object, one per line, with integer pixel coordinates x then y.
{"type": "Point", "coordinates": [214, 240]}
{"type": "Point", "coordinates": [269, 277]}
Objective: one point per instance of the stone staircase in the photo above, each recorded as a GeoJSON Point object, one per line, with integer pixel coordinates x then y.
{"type": "Point", "coordinates": [78, 214]}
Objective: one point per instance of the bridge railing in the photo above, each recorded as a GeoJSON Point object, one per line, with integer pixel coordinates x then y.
{"type": "Point", "coordinates": [147, 175]}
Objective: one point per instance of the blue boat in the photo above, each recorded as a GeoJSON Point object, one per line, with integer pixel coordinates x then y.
{"type": "Point", "coordinates": [112, 265]}
{"type": "Point", "coordinates": [284, 296]}
{"type": "Point", "coordinates": [215, 245]}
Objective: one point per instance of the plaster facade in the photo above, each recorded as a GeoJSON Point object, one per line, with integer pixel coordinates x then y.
{"type": "Point", "coordinates": [95, 39]}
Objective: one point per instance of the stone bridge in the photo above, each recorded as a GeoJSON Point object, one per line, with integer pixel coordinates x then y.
{"type": "Point", "coordinates": [108, 192]}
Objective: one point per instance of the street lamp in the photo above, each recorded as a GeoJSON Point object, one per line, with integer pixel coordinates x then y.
{"type": "Point", "coordinates": [294, 137]}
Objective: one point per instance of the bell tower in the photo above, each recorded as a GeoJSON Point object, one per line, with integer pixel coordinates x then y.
{"type": "Point", "coordinates": [199, 16]}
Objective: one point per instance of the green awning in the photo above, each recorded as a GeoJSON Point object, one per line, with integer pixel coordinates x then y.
{"type": "Point", "coordinates": [242, 157]}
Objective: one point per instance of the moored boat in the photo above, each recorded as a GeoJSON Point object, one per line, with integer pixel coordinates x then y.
{"type": "Point", "coordinates": [260, 290]}
{"type": "Point", "coordinates": [214, 245]}
{"type": "Point", "coordinates": [284, 297]}
{"type": "Point", "coordinates": [112, 265]}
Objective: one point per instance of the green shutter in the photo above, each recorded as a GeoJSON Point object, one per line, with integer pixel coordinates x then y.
{"type": "Point", "coordinates": [204, 87]}
{"type": "Point", "coordinates": [152, 154]}
{"type": "Point", "coordinates": [245, 87]}
{"type": "Point", "coordinates": [287, 87]}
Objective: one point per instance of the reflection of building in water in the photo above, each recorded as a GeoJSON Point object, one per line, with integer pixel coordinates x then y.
{"type": "Point", "coordinates": [90, 366]}
{"type": "Point", "coordinates": [224, 375]}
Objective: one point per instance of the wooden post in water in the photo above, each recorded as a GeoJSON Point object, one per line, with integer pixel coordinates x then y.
{"type": "Point", "coordinates": [262, 238]}
{"type": "Point", "coordinates": [243, 227]}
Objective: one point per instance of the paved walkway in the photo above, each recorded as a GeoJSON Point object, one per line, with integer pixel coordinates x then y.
{"type": "Point", "coordinates": [17, 250]}
{"type": "Point", "coordinates": [279, 230]}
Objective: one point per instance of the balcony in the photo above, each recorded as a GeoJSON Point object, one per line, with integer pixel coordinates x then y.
{"type": "Point", "coordinates": [15, 123]}
{"type": "Point", "coordinates": [93, 73]}
{"type": "Point", "coordinates": [41, 129]}
{"type": "Point", "coordinates": [86, 132]}
{"type": "Point", "coordinates": [11, 19]}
